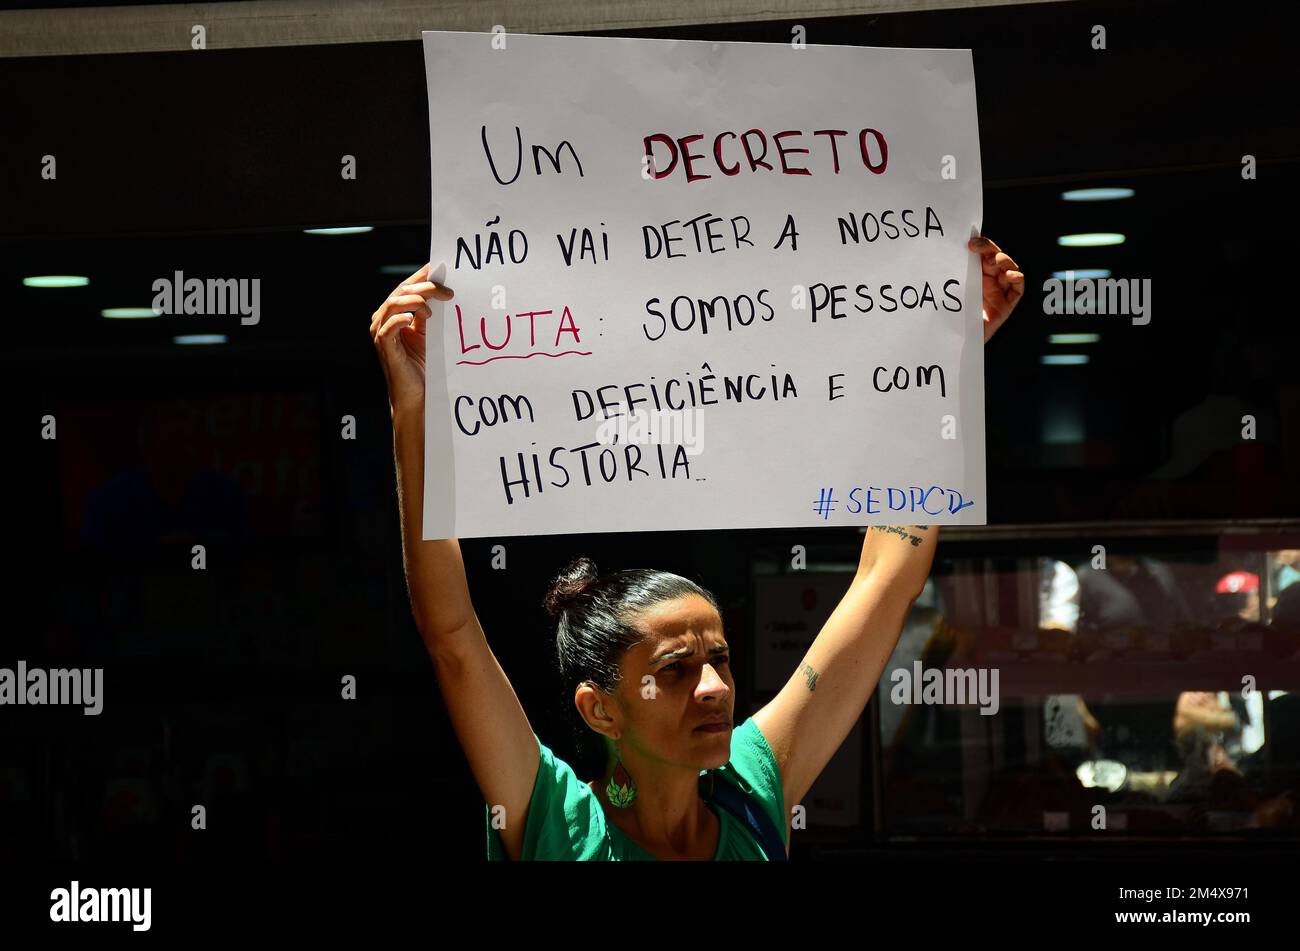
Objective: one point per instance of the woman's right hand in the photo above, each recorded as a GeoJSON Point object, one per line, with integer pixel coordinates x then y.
{"type": "Point", "coordinates": [397, 329]}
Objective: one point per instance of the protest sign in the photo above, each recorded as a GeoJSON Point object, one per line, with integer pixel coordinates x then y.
{"type": "Point", "coordinates": [701, 285]}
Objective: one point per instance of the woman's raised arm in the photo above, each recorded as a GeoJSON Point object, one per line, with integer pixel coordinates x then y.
{"type": "Point", "coordinates": [807, 721]}
{"type": "Point", "coordinates": [494, 732]}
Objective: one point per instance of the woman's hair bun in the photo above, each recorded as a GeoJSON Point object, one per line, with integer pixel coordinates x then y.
{"type": "Point", "coordinates": [576, 577]}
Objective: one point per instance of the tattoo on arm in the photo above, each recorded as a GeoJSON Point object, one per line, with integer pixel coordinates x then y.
{"type": "Point", "coordinates": [809, 675]}
{"type": "Point", "coordinates": [902, 533]}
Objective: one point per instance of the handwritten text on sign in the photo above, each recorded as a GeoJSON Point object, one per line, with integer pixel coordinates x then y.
{"type": "Point", "coordinates": [701, 285]}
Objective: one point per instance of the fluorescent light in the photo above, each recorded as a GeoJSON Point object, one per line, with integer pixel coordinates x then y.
{"type": "Point", "coordinates": [184, 339]}
{"type": "Point", "coordinates": [1063, 359]}
{"type": "Point", "coordinates": [128, 313]}
{"type": "Point", "coordinates": [1073, 338]}
{"type": "Point", "coordinates": [1096, 194]}
{"type": "Point", "coordinates": [1083, 274]}
{"type": "Point", "coordinates": [1094, 239]}
{"type": "Point", "coordinates": [355, 229]}
{"type": "Point", "coordinates": [1062, 422]}
{"type": "Point", "coordinates": [56, 280]}
{"type": "Point", "coordinates": [402, 269]}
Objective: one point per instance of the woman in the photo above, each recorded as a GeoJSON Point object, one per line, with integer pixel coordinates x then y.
{"type": "Point", "coordinates": [646, 656]}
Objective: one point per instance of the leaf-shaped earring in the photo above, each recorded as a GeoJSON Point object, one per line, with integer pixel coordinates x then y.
{"type": "Point", "coordinates": [621, 788]}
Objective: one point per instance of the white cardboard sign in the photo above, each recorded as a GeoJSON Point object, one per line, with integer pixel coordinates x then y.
{"type": "Point", "coordinates": [701, 285]}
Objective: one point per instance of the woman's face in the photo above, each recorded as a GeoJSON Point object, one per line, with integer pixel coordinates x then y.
{"type": "Point", "coordinates": [677, 693]}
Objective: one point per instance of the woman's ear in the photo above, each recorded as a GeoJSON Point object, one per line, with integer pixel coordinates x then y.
{"type": "Point", "coordinates": [598, 709]}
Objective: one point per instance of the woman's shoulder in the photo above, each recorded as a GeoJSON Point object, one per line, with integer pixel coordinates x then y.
{"type": "Point", "coordinates": [751, 757]}
{"type": "Point", "coordinates": [565, 820]}
{"type": "Point", "coordinates": [753, 768]}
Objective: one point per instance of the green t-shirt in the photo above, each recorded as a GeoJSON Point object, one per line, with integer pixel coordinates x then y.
{"type": "Point", "coordinates": [566, 821]}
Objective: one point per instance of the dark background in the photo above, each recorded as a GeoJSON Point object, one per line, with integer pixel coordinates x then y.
{"type": "Point", "coordinates": [222, 686]}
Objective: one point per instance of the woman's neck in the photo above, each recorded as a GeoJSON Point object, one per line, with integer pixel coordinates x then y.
{"type": "Point", "coordinates": [668, 818]}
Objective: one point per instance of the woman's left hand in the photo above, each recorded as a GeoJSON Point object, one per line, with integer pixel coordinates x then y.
{"type": "Point", "coordinates": [1004, 284]}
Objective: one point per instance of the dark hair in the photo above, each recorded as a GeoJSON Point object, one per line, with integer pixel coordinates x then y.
{"type": "Point", "coordinates": [595, 622]}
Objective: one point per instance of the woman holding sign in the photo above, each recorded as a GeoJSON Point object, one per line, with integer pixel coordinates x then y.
{"type": "Point", "coordinates": [645, 656]}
